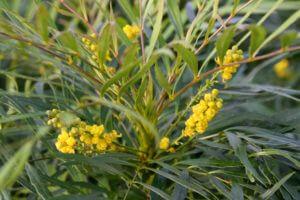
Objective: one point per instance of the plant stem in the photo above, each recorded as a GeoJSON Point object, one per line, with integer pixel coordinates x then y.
{"type": "Point", "coordinates": [248, 60]}
{"type": "Point", "coordinates": [78, 15]}
{"type": "Point", "coordinates": [222, 26]}
{"type": "Point", "coordinates": [142, 30]}
{"type": "Point", "coordinates": [64, 59]}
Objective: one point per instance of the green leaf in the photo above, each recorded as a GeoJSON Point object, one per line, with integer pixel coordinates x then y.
{"type": "Point", "coordinates": [37, 182]}
{"type": "Point", "coordinates": [14, 166]}
{"type": "Point", "coordinates": [210, 26]}
{"type": "Point", "coordinates": [121, 73]}
{"type": "Point", "coordinates": [126, 6]}
{"type": "Point", "coordinates": [237, 192]}
{"type": "Point", "coordinates": [191, 185]}
{"type": "Point", "coordinates": [220, 187]}
{"type": "Point", "coordinates": [155, 190]}
{"type": "Point", "coordinates": [188, 56]}
{"type": "Point", "coordinates": [258, 35]}
{"type": "Point", "coordinates": [212, 20]}
{"type": "Point", "coordinates": [224, 41]}
{"type": "Point", "coordinates": [174, 13]}
{"type": "Point", "coordinates": [162, 79]}
{"type": "Point", "coordinates": [156, 28]}
{"type": "Point", "coordinates": [68, 40]}
{"type": "Point", "coordinates": [271, 191]}
{"type": "Point", "coordinates": [42, 22]}
{"type": "Point", "coordinates": [130, 55]}
{"type": "Point", "coordinates": [280, 29]}
{"type": "Point", "coordinates": [288, 38]}
{"type": "Point", "coordinates": [138, 75]}
{"type": "Point", "coordinates": [241, 153]}
{"type": "Point", "coordinates": [180, 192]}
{"type": "Point", "coordinates": [104, 42]}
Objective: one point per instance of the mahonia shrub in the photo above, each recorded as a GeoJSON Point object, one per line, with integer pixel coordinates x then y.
{"type": "Point", "coordinates": [144, 99]}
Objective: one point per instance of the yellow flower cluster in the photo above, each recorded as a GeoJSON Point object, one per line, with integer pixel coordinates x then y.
{"type": "Point", "coordinates": [164, 144]}
{"type": "Point", "coordinates": [131, 31]}
{"type": "Point", "coordinates": [92, 46]}
{"type": "Point", "coordinates": [203, 113]}
{"type": "Point", "coordinates": [281, 69]}
{"type": "Point", "coordinates": [81, 137]}
{"type": "Point", "coordinates": [232, 55]}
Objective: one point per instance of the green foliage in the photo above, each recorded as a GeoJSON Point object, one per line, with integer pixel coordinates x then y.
{"type": "Point", "coordinates": [258, 35]}
{"type": "Point", "coordinates": [288, 38]}
{"type": "Point", "coordinates": [224, 41]}
{"type": "Point", "coordinates": [250, 149]}
{"type": "Point", "coordinates": [42, 22]}
{"type": "Point", "coordinates": [188, 56]}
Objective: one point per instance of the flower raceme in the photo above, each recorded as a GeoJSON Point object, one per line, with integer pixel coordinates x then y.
{"type": "Point", "coordinates": [131, 31]}
{"type": "Point", "coordinates": [203, 113]}
{"type": "Point", "coordinates": [81, 137]}
{"type": "Point", "coordinates": [281, 69]}
{"type": "Point", "coordinates": [232, 55]}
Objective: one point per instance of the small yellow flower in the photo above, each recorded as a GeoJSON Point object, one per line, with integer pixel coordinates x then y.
{"type": "Point", "coordinates": [131, 31]}
{"type": "Point", "coordinates": [164, 143]}
{"type": "Point", "coordinates": [281, 69]}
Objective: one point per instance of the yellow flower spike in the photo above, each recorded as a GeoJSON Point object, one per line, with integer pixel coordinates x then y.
{"type": "Point", "coordinates": [81, 137]}
{"type": "Point", "coordinates": [164, 143]}
{"type": "Point", "coordinates": [232, 55]}
{"type": "Point", "coordinates": [281, 69]}
{"type": "Point", "coordinates": [203, 113]}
